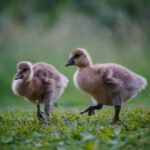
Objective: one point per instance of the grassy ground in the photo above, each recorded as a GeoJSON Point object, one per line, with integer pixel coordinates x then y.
{"type": "Point", "coordinates": [67, 129]}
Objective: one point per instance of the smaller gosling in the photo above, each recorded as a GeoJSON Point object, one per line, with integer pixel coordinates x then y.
{"type": "Point", "coordinates": [39, 83]}
{"type": "Point", "coordinates": [108, 84]}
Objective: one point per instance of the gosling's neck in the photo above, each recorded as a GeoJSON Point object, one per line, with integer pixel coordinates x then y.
{"type": "Point", "coordinates": [87, 64]}
{"type": "Point", "coordinates": [30, 78]}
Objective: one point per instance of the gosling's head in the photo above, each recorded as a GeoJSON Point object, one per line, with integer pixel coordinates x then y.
{"type": "Point", "coordinates": [79, 57]}
{"type": "Point", "coordinates": [24, 70]}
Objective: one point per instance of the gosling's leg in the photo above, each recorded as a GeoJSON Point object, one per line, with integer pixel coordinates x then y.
{"type": "Point", "coordinates": [90, 110]}
{"type": "Point", "coordinates": [48, 106]}
{"type": "Point", "coordinates": [39, 113]}
{"type": "Point", "coordinates": [47, 112]}
{"type": "Point", "coordinates": [117, 112]}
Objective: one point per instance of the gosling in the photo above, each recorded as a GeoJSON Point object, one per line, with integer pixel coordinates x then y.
{"type": "Point", "coordinates": [108, 84]}
{"type": "Point", "coordinates": [39, 83]}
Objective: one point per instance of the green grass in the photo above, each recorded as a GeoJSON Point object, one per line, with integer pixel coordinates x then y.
{"type": "Point", "coordinates": [67, 129]}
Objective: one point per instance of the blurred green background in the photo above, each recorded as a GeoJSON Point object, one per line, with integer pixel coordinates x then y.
{"type": "Point", "coordinates": [47, 30]}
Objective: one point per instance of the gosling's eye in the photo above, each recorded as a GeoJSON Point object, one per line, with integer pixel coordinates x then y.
{"type": "Point", "coordinates": [26, 69]}
{"type": "Point", "coordinates": [77, 55]}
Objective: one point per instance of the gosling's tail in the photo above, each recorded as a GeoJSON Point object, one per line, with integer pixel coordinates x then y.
{"type": "Point", "coordinates": [141, 83]}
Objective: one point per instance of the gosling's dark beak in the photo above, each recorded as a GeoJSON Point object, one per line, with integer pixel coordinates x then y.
{"type": "Point", "coordinates": [70, 62]}
{"type": "Point", "coordinates": [19, 75]}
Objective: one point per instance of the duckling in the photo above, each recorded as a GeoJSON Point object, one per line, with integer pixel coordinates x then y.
{"type": "Point", "coordinates": [39, 83]}
{"type": "Point", "coordinates": [108, 84]}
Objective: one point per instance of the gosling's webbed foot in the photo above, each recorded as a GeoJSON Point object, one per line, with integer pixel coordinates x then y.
{"type": "Point", "coordinates": [46, 120]}
{"type": "Point", "coordinates": [115, 122]}
{"type": "Point", "coordinates": [40, 115]}
{"type": "Point", "coordinates": [89, 110]}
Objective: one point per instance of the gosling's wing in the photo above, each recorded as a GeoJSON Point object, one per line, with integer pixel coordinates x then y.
{"type": "Point", "coordinates": [108, 77]}
{"type": "Point", "coordinates": [117, 74]}
{"type": "Point", "coordinates": [108, 73]}
{"type": "Point", "coordinates": [41, 76]}
{"type": "Point", "coordinates": [43, 73]}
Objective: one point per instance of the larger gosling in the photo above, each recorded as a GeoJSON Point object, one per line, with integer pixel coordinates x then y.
{"type": "Point", "coordinates": [39, 83]}
{"type": "Point", "coordinates": [108, 84]}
